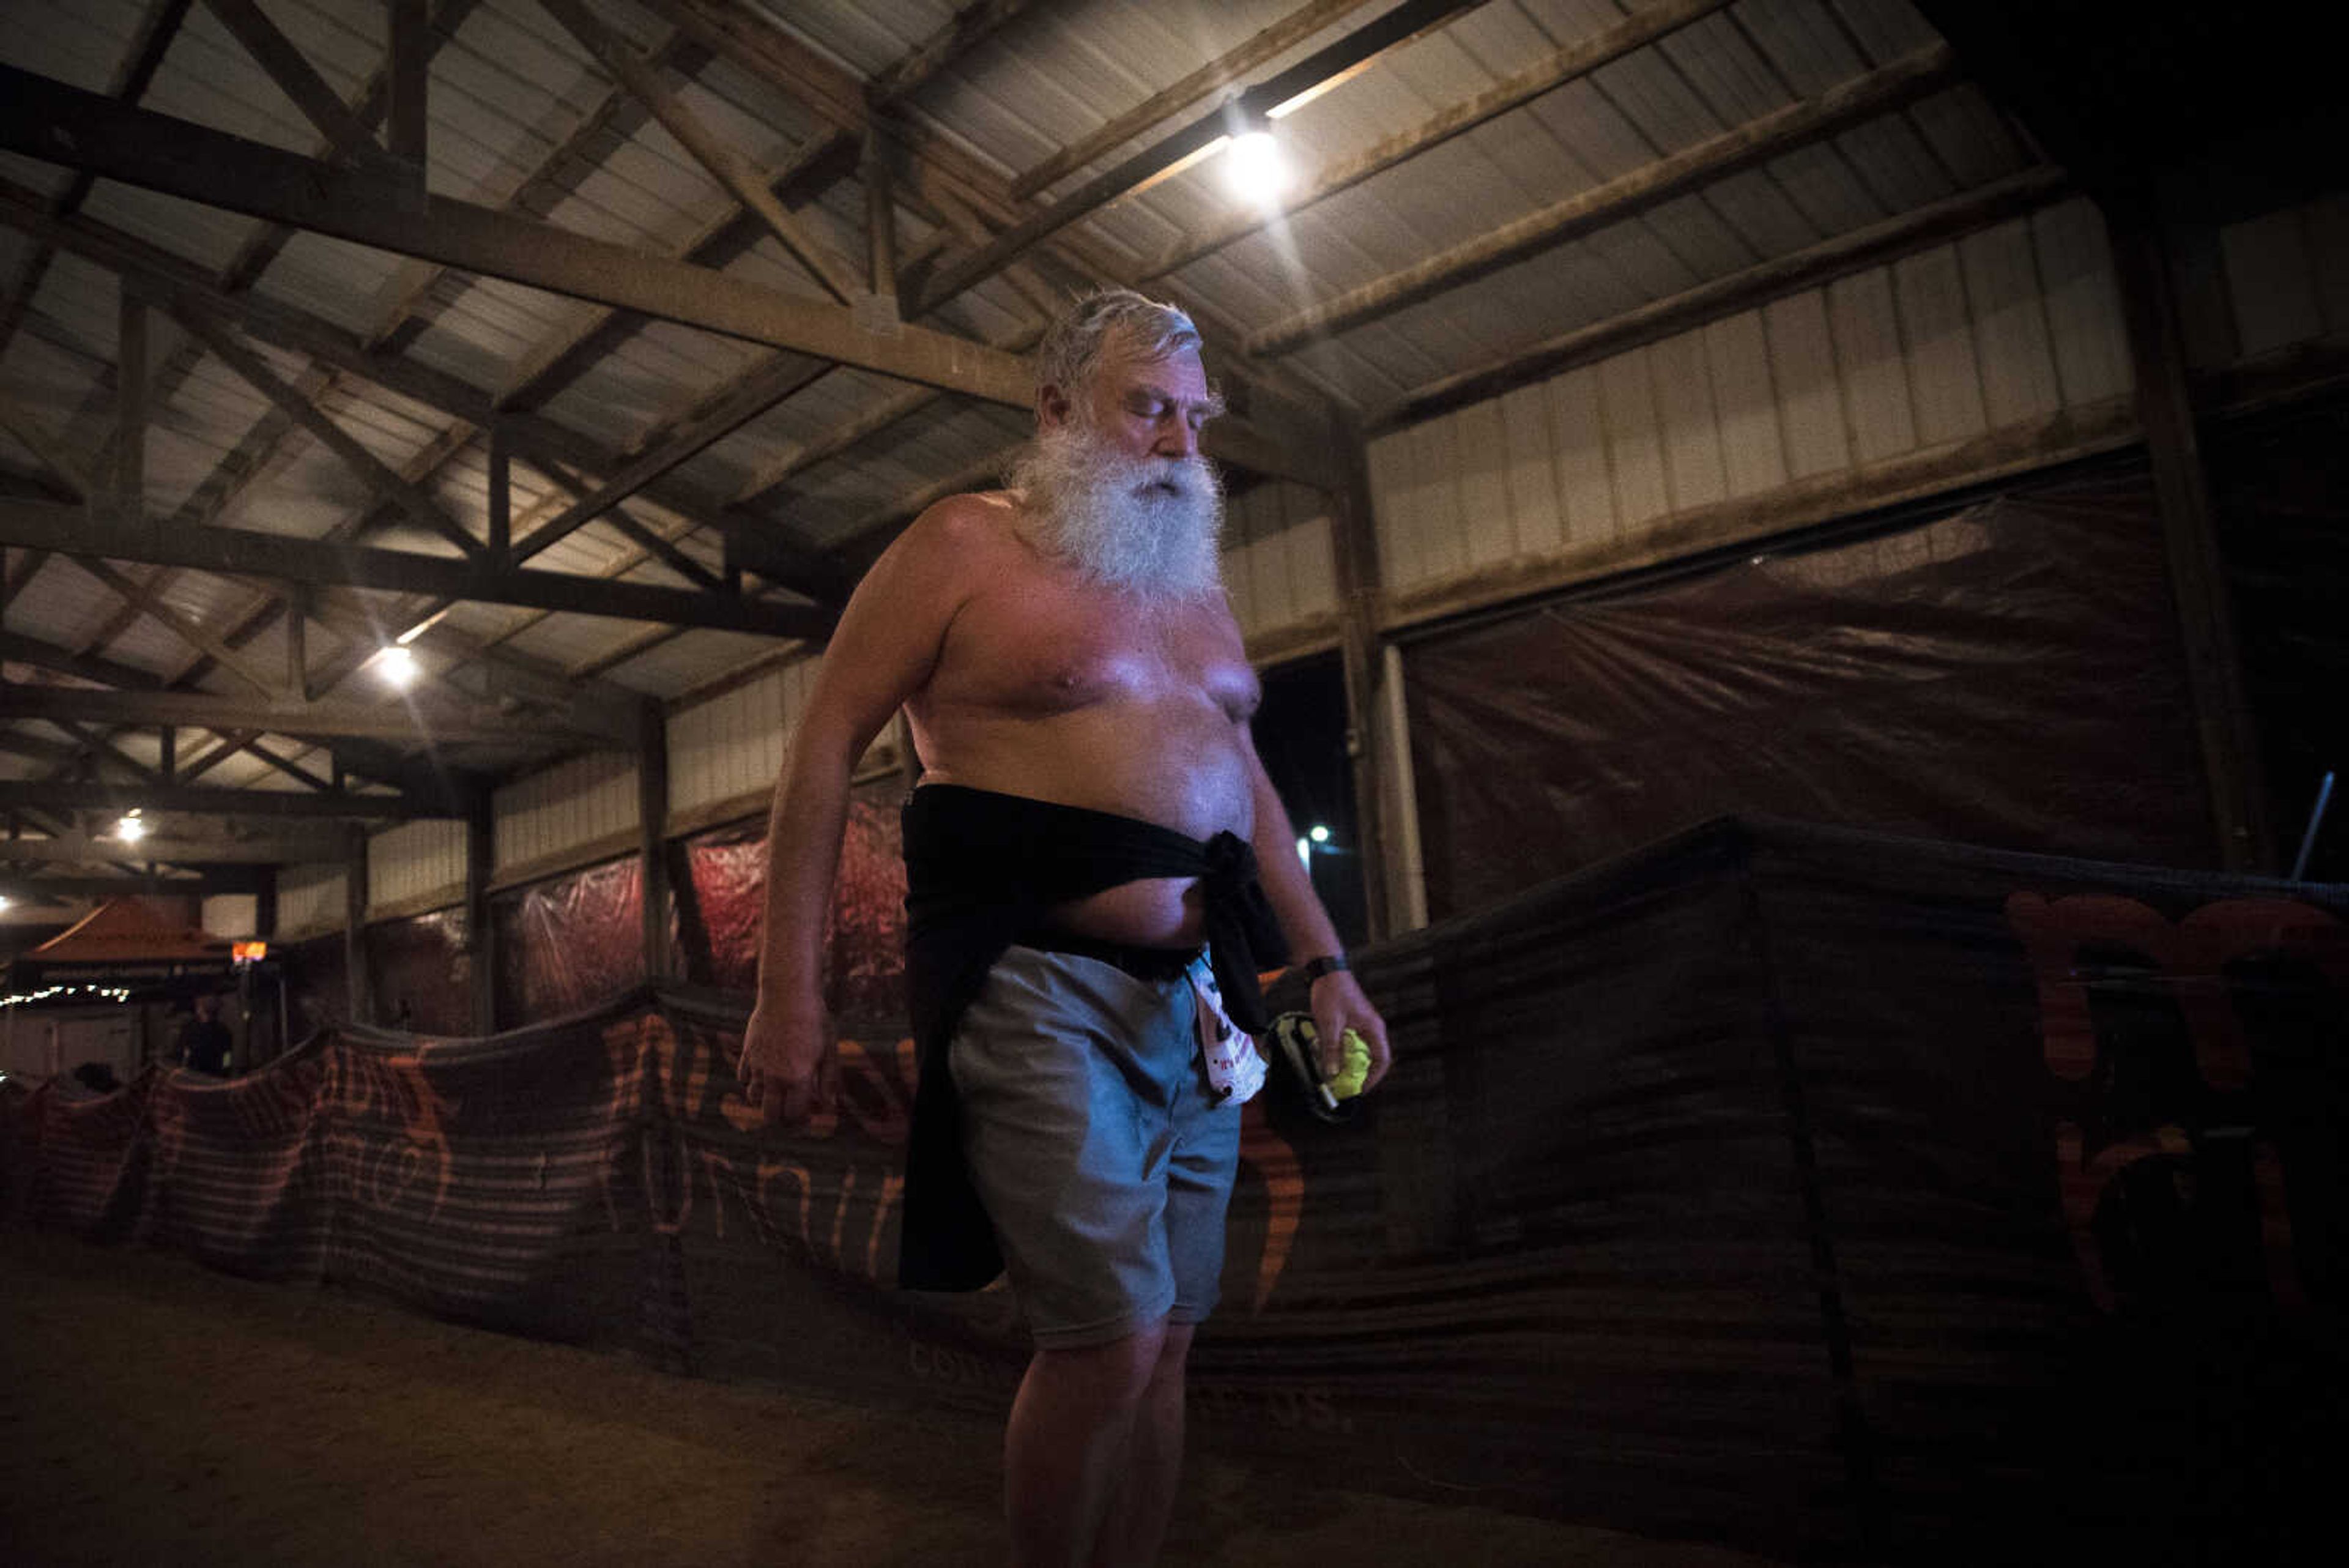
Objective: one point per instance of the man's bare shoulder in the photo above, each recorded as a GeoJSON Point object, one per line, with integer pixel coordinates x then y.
{"type": "Point", "coordinates": [964, 526]}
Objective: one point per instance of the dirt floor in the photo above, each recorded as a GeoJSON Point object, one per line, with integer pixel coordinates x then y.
{"type": "Point", "coordinates": [154, 1412]}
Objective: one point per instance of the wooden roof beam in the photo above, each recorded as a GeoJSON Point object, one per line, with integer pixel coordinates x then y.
{"type": "Point", "coordinates": [1716, 158]}
{"type": "Point", "coordinates": [245, 553]}
{"type": "Point", "coordinates": [44, 119]}
{"type": "Point", "coordinates": [542, 441]}
{"type": "Point", "coordinates": [1569, 64]}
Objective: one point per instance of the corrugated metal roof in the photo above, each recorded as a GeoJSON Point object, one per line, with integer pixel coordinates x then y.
{"type": "Point", "coordinates": [511, 90]}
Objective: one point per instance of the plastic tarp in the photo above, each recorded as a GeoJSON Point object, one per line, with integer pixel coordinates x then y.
{"type": "Point", "coordinates": [2009, 675]}
{"type": "Point", "coordinates": [1816, 1190]}
{"type": "Point", "coordinates": [420, 965]}
{"type": "Point", "coordinates": [866, 938]}
{"type": "Point", "coordinates": [569, 942]}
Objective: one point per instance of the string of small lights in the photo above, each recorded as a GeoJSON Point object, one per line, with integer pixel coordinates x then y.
{"type": "Point", "coordinates": [94, 993]}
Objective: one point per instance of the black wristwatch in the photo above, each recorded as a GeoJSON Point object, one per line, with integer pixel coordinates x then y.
{"type": "Point", "coordinates": [1332, 963]}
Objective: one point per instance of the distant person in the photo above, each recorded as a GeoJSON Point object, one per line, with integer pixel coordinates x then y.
{"type": "Point", "coordinates": [205, 1042]}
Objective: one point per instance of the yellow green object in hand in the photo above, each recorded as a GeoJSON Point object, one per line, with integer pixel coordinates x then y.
{"type": "Point", "coordinates": [1355, 1070]}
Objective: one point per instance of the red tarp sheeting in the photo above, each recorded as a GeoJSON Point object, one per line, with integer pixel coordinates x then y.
{"type": "Point", "coordinates": [1816, 1190]}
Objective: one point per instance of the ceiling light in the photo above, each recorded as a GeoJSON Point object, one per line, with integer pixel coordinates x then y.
{"type": "Point", "coordinates": [1319, 834]}
{"type": "Point", "coordinates": [396, 666]}
{"type": "Point", "coordinates": [130, 830]}
{"type": "Point", "coordinates": [1255, 169]}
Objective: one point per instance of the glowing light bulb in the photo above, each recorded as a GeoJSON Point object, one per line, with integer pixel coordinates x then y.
{"type": "Point", "coordinates": [1255, 169]}
{"type": "Point", "coordinates": [1319, 834]}
{"type": "Point", "coordinates": [130, 830]}
{"type": "Point", "coordinates": [396, 666]}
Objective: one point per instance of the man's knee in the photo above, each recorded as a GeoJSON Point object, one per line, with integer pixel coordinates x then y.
{"type": "Point", "coordinates": [1121, 1368]}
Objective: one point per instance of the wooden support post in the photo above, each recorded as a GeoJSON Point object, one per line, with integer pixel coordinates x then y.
{"type": "Point", "coordinates": [1355, 549]}
{"type": "Point", "coordinates": [2198, 578]}
{"type": "Point", "coordinates": [297, 643]}
{"type": "Point", "coordinates": [167, 754]}
{"type": "Point", "coordinates": [355, 979]}
{"type": "Point", "coordinates": [130, 406]}
{"type": "Point", "coordinates": [480, 934]}
{"type": "Point", "coordinates": [652, 811]}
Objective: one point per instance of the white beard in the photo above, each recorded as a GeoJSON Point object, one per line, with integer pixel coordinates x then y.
{"type": "Point", "coordinates": [1150, 526]}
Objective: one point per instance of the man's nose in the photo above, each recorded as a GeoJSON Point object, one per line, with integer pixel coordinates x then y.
{"type": "Point", "coordinates": [1176, 438]}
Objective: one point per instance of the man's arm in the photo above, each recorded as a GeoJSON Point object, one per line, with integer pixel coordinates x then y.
{"type": "Point", "coordinates": [1338, 1002]}
{"type": "Point", "coordinates": [882, 653]}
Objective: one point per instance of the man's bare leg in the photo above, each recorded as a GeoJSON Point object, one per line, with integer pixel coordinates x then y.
{"type": "Point", "coordinates": [1066, 1443]}
{"type": "Point", "coordinates": [1143, 1499]}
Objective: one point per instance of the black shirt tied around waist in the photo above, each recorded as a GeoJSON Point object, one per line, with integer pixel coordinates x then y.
{"type": "Point", "coordinates": [982, 870]}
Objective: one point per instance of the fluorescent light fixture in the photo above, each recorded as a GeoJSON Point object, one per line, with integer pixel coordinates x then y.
{"type": "Point", "coordinates": [1305, 855]}
{"type": "Point", "coordinates": [1255, 169]}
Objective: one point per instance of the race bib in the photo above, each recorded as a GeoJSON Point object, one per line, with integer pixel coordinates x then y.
{"type": "Point", "coordinates": [1235, 1070]}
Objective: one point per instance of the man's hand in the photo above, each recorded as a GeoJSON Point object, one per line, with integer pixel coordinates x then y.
{"type": "Point", "coordinates": [1339, 1006]}
{"type": "Point", "coordinates": [788, 1067]}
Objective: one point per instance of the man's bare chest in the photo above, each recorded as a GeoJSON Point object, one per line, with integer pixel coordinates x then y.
{"type": "Point", "coordinates": [1039, 654]}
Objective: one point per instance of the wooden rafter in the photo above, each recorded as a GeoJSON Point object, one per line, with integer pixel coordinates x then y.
{"type": "Point", "coordinates": [1716, 158]}
{"type": "Point", "coordinates": [43, 118]}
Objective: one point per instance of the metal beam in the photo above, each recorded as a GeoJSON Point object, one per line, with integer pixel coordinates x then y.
{"type": "Point", "coordinates": [61, 794]}
{"type": "Point", "coordinates": [1716, 158]}
{"type": "Point", "coordinates": [372, 205]}
{"type": "Point", "coordinates": [82, 848]}
{"type": "Point", "coordinates": [367, 721]}
{"type": "Point", "coordinates": [244, 552]}
{"type": "Point", "coordinates": [31, 888]}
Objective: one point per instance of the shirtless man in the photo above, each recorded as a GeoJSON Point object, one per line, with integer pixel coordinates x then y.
{"type": "Point", "coordinates": [1090, 799]}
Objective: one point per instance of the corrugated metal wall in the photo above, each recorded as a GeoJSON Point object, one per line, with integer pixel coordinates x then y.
{"type": "Point", "coordinates": [1995, 331]}
{"type": "Point", "coordinates": [416, 860]}
{"type": "Point", "coordinates": [2287, 278]}
{"type": "Point", "coordinates": [732, 744]}
{"type": "Point", "coordinates": [309, 901]}
{"type": "Point", "coordinates": [569, 804]}
{"type": "Point", "coordinates": [1279, 564]}
{"type": "Point", "coordinates": [231, 915]}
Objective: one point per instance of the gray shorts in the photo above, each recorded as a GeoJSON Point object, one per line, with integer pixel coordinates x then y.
{"type": "Point", "coordinates": [1101, 1153]}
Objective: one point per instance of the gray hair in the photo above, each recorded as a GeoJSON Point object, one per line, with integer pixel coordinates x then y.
{"type": "Point", "coordinates": [1073, 346]}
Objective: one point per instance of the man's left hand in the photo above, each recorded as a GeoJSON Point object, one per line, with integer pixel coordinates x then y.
{"type": "Point", "coordinates": [1339, 1006]}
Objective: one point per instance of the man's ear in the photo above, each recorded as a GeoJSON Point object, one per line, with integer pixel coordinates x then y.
{"type": "Point", "coordinates": [1051, 407]}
